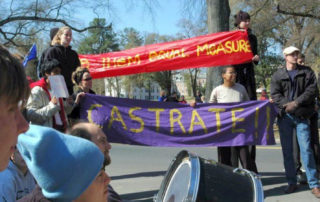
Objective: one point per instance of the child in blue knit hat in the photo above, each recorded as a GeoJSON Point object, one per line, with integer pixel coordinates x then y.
{"type": "Point", "coordinates": [67, 168]}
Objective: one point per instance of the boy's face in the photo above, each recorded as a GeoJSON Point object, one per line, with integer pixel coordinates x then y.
{"type": "Point", "coordinates": [230, 75]}
{"type": "Point", "coordinates": [300, 61]}
{"type": "Point", "coordinates": [12, 123]}
{"type": "Point", "coordinates": [18, 160]}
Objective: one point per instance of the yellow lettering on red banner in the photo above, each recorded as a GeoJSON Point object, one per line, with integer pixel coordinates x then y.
{"type": "Point", "coordinates": [120, 61]}
{"type": "Point", "coordinates": [199, 122]}
{"type": "Point", "coordinates": [166, 54]}
{"type": "Point", "coordinates": [220, 48]}
{"type": "Point", "coordinates": [152, 55]}
{"type": "Point", "coordinates": [235, 120]}
{"type": "Point", "coordinates": [136, 118]}
{"type": "Point", "coordinates": [114, 111]}
{"type": "Point", "coordinates": [85, 63]}
{"type": "Point", "coordinates": [157, 110]}
{"type": "Point", "coordinates": [136, 60]}
{"type": "Point", "coordinates": [92, 107]}
{"type": "Point", "coordinates": [106, 63]}
{"type": "Point", "coordinates": [227, 47]}
{"type": "Point", "coordinates": [218, 120]}
{"type": "Point", "coordinates": [204, 48]}
{"type": "Point", "coordinates": [177, 119]}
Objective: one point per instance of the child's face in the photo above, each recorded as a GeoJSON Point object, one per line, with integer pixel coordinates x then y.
{"type": "Point", "coordinates": [230, 75]}
{"type": "Point", "coordinates": [244, 24]}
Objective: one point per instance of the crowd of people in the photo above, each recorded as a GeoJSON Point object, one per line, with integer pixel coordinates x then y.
{"type": "Point", "coordinates": [29, 162]}
{"type": "Point", "coordinates": [294, 92]}
{"type": "Point", "coordinates": [32, 173]}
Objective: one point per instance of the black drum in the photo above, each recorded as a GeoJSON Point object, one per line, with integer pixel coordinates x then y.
{"type": "Point", "coordinates": [191, 178]}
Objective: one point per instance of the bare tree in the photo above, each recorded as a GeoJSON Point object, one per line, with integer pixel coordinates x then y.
{"type": "Point", "coordinates": [218, 21]}
{"type": "Point", "coordinates": [23, 19]}
{"type": "Point", "coordinates": [307, 14]}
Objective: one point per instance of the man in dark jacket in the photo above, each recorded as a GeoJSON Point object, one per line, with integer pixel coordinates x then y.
{"type": "Point", "coordinates": [293, 90]}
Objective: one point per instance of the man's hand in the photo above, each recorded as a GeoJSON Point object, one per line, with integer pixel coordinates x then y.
{"type": "Point", "coordinates": [290, 106]}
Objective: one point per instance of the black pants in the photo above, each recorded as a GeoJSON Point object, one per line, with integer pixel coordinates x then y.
{"type": "Point", "coordinates": [314, 140]}
{"type": "Point", "coordinates": [224, 155]}
{"type": "Point", "coordinates": [241, 153]}
{"type": "Point", "coordinates": [252, 151]}
{"type": "Point", "coordinates": [231, 155]}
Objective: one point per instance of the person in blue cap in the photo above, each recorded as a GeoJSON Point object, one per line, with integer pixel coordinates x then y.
{"type": "Point", "coordinates": [66, 168]}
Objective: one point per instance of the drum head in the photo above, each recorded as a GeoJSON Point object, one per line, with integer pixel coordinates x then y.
{"type": "Point", "coordinates": [181, 181]}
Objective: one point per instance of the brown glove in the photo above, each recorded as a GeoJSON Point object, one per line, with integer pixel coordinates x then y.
{"type": "Point", "coordinates": [290, 106]}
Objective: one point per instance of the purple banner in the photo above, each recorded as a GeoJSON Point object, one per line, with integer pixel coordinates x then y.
{"type": "Point", "coordinates": [150, 123]}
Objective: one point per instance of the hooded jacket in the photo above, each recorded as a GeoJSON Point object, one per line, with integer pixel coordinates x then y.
{"type": "Point", "coordinates": [68, 59]}
{"type": "Point", "coordinates": [40, 110]}
{"type": "Point", "coordinates": [245, 72]}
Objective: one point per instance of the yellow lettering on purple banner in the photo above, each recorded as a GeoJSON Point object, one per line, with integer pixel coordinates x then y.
{"type": "Point", "coordinates": [136, 118]}
{"type": "Point", "coordinates": [157, 111]}
{"type": "Point", "coordinates": [92, 107]}
{"type": "Point", "coordinates": [218, 120]}
{"type": "Point", "coordinates": [118, 118]}
{"type": "Point", "coordinates": [199, 122]}
{"type": "Point", "coordinates": [235, 120]}
{"type": "Point", "coordinates": [268, 122]}
{"type": "Point", "coordinates": [174, 120]}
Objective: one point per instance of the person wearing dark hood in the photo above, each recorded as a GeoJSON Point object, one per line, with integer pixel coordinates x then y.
{"type": "Point", "coordinates": [62, 51]}
{"type": "Point", "coordinates": [53, 32]}
{"type": "Point", "coordinates": [245, 72]}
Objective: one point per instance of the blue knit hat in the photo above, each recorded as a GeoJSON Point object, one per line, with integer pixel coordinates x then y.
{"type": "Point", "coordinates": [63, 165]}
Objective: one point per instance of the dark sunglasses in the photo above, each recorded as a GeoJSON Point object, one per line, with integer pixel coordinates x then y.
{"type": "Point", "coordinates": [87, 79]}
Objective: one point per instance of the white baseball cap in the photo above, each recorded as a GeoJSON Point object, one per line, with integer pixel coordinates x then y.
{"type": "Point", "coordinates": [289, 50]}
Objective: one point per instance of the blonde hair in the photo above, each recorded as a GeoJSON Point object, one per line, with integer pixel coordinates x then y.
{"type": "Point", "coordinates": [57, 38]}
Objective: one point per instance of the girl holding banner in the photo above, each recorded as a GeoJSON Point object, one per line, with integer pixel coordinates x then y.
{"type": "Point", "coordinates": [83, 80]}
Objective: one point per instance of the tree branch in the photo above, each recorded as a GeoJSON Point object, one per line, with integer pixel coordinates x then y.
{"type": "Point", "coordinates": [10, 40]}
{"type": "Point", "coordinates": [307, 15]}
{"type": "Point", "coordinates": [35, 18]}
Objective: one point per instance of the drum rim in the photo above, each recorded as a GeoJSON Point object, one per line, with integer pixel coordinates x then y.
{"type": "Point", "coordinates": [258, 188]}
{"type": "Point", "coordinates": [193, 186]}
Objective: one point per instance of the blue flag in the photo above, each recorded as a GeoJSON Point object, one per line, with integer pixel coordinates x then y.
{"type": "Point", "coordinates": [32, 54]}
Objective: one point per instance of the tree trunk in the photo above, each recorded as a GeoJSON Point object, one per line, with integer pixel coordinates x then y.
{"type": "Point", "coordinates": [218, 21]}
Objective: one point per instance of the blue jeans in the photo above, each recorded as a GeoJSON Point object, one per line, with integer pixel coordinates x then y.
{"type": "Point", "coordinates": [286, 125]}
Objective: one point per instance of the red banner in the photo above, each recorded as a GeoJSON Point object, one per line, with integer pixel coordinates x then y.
{"type": "Point", "coordinates": [218, 49]}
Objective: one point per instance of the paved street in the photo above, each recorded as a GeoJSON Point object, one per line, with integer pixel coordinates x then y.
{"type": "Point", "coordinates": [137, 171]}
